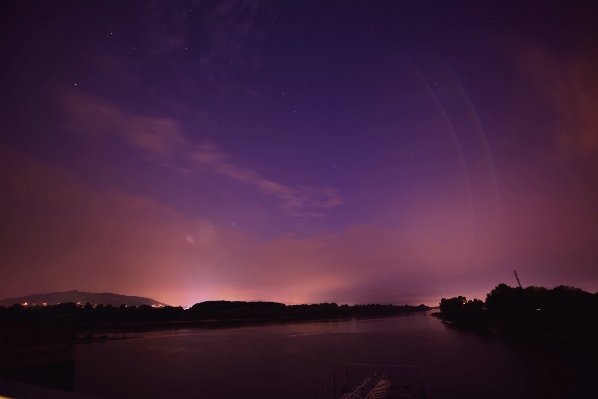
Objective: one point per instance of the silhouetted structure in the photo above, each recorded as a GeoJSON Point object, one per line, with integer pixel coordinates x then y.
{"type": "Point", "coordinates": [372, 381]}
{"type": "Point", "coordinates": [517, 277]}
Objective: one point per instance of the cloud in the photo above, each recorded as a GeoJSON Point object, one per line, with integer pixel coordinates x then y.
{"type": "Point", "coordinates": [570, 86]}
{"type": "Point", "coordinates": [294, 200]}
{"type": "Point", "coordinates": [162, 26]}
{"type": "Point", "coordinates": [59, 233]}
{"type": "Point", "coordinates": [230, 32]}
{"type": "Point", "coordinates": [161, 139]}
{"type": "Point", "coordinates": [91, 116]}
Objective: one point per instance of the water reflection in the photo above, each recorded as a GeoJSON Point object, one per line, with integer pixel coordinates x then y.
{"type": "Point", "coordinates": [289, 360]}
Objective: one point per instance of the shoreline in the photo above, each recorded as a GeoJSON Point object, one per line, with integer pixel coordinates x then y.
{"type": "Point", "coordinates": [518, 334]}
{"type": "Point", "coordinates": [218, 323]}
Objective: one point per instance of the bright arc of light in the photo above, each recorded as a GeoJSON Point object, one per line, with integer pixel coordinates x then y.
{"type": "Point", "coordinates": [453, 135]}
{"type": "Point", "coordinates": [480, 130]}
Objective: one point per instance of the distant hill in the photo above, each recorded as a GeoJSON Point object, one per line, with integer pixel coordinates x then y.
{"type": "Point", "coordinates": [75, 296]}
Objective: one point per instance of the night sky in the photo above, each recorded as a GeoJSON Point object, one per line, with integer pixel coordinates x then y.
{"type": "Point", "coordinates": [299, 152]}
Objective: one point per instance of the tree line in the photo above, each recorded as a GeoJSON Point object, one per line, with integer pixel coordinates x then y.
{"type": "Point", "coordinates": [71, 313]}
{"type": "Point", "coordinates": [563, 310]}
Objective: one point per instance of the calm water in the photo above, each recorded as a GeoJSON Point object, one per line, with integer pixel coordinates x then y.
{"type": "Point", "coordinates": [289, 360]}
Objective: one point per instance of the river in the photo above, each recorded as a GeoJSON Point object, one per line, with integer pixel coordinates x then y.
{"type": "Point", "coordinates": [289, 360]}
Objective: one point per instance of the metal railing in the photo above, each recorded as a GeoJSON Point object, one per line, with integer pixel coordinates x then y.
{"type": "Point", "coordinates": [366, 387]}
{"type": "Point", "coordinates": [407, 379]}
{"type": "Point", "coordinates": [332, 387]}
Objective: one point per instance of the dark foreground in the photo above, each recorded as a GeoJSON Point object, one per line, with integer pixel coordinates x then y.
{"type": "Point", "coordinates": [288, 360]}
{"type": "Point", "coordinates": [37, 341]}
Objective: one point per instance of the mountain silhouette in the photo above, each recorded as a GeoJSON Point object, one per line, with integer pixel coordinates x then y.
{"type": "Point", "coordinates": [105, 298]}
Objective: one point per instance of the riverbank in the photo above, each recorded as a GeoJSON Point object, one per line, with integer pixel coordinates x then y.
{"type": "Point", "coordinates": [566, 366]}
{"type": "Point", "coordinates": [133, 327]}
{"type": "Point", "coordinates": [521, 335]}
{"type": "Point", "coordinates": [221, 311]}
{"type": "Point", "coordinates": [89, 338]}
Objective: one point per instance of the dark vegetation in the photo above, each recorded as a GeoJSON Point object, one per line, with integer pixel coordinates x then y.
{"type": "Point", "coordinates": [557, 328]}
{"type": "Point", "coordinates": [563, 311]}
{"type": "Point", "coordinates": [71, 313]}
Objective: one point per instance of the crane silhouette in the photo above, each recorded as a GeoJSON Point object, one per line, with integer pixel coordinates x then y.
{"type": "Point", "coordinates": [517, 277]}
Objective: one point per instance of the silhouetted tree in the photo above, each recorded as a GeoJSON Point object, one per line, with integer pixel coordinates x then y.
{"type": "Point", "coordinates": [452, 308]}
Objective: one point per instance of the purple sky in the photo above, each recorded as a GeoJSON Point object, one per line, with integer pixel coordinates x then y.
{"type": "Point", "coordinates": [299, 152]}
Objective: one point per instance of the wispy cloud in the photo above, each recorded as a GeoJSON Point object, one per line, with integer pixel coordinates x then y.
{"type": "Point", "coordinates": [162, 26]}
{"type": "Point", "coordinates": [296, 201]}
{"type": "Point", "coordinates": [162, 140]}
{"type": "Point", "coordinates": [570, 86]}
